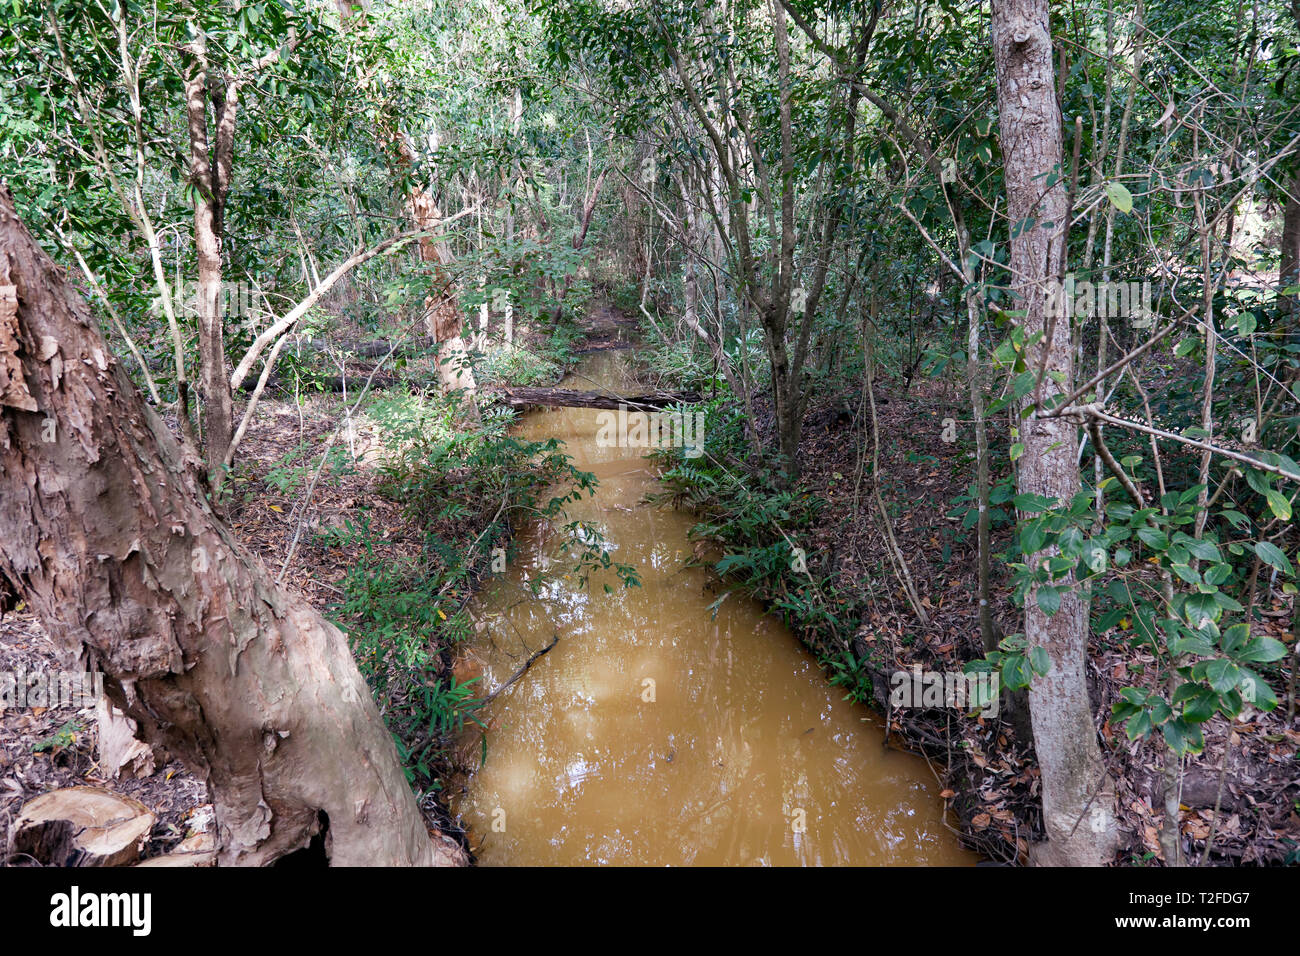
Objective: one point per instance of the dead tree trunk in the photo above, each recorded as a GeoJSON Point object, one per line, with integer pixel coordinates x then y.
{"type": "Point", "coordinates": [1078, 798]}
{"type": "Point", "coordinates": [106, 532]}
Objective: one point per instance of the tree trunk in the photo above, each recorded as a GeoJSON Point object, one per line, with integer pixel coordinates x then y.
{"type": "Point", "coordinates": [988, 639]}
{"type": "Point", "coordinates": [1078, 797]}
{"type": "Point", "coordinates": [690, 280]}
{"type": "Point", "coordinates": [210, 163]}
{"type": "Point", "coordinates": [1289, 273]}
{"type": "Point", "coordinates": [105, 531]}
{"type": "Point", "coordinates": [443, 319]}
{"type": "Point", "coordinates": [579, 238]}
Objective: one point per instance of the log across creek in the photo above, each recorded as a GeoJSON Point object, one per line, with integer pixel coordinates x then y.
{"type": "Point", "coordinates": [517, 397]}
{"type": "Point", "coordinates": [569, 398]}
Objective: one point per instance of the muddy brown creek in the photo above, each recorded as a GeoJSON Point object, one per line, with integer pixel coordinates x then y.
{"type": "Point", "coordinates": [656, 732]}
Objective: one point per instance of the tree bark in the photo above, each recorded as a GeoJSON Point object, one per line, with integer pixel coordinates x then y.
{"type": "Point", "coordinates": [210, 164]}
{"type": "Point", "coordinates": [443, 319]}
{"type": "Point", "coordinates": [105, 531]}
{"type": "Point", "coordinates": [1289, 271]}
{"type": "Point", "coordinates": [1078, 796]}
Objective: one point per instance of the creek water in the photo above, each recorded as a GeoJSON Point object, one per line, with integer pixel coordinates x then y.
{"type": "Point", "coordinates": [656, 731]}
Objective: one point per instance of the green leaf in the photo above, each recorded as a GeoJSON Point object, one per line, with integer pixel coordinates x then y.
{"type": "Point", "coordinates": [1255, 691]}
{"type": "Point", "coordinates": [1222, 674]}
{"type": "Point", "coordinates": [1218, 574]}
{"type": "Point", "coordinates": [1138, 726]}
{"type": "Point", "coordinates": [1262, 650]}
{"type": "Point", "coordinates": [1273, 556]}
{"type": "Point", "coordinates": [1278, 504]}
{"type": "Point", "coordinates": [1049, 599]}
{"type": "Point", "coordinates": [1031, 503]}
{"type": "Point", "coordinates": [1197, 644]}
{"type": "Point", "coordinates": [1205, 550]}
{"type": "Point", "coordinates": [1119, 195]}
{"type": "Point", "coordinates": [1153, 538]}
{"type": "Point", "coordinates": [1016, 672]}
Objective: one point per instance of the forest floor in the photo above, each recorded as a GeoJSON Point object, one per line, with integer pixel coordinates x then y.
{"type": "Point", "coordinates": [991, 780]}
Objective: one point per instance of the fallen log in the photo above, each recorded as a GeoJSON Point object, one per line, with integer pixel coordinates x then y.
{"type": "Point", "coordinates": [375, 349]}
{"type": "Point", "coordinates": [328, 383]}
{"type": "Point", "coordinates": [568, 398]}
{"type": "Point", "coordinates": [516, 397]}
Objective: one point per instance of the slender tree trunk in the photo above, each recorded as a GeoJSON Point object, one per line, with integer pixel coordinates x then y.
{"type": "Point", "coordinates": [988, 639]}
{"type": "Point", "coordinates": [106, 533]}
{"type": "Point", "coordinates": [1078, 797]}
{"type": "Point", "coordinates": [690, 277]}
{"type": "Point", "coordinates": [210, 176]}
{"type": "Point", "coordinates": [580, 237]}
{"type": "Point", "coordinates": [1289, 273]}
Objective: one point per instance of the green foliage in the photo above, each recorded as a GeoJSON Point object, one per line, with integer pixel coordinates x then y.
{"type": "Point", "coordinates": [405, 617]}
{"type": "Point", "coordinates": [1173, 595]}
{"type": "Point", "coordinates": [62, 738]}
{"type": "Point", "coordinates": [397, 628]}
{"type": "Point", "coordinates": [759, 522]}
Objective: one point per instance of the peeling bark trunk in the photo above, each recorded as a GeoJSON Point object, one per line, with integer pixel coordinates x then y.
{"type": "Point", "coordinates": [106, 532]}
{"type": "Point", "coordinates": [1078, 796]}
{"type": "Point", "coordinates": [443, 319]}
{"type": "Point", "coordinates": [210, 163]}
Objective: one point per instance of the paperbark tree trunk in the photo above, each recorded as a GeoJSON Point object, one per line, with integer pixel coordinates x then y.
{"type": "Point", "coordinates": [210, 161]}
{"type": "Point", "coordinates": [1078, 797]}
{"type": "Point", "coordinates": [106, 533]}
{"type": "Point", "coordinates": [442, 316]}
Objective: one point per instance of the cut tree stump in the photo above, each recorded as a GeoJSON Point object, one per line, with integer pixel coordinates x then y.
{"type": "Point", "coordinates": [568, 398]}
{"type": "Point", "coordinates": [79, 826]}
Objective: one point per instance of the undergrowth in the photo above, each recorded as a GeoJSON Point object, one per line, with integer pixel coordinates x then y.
{"type": "Point", "coordinates": [405, 616]}
{"type": "Point", "coordinates": [762, 527]}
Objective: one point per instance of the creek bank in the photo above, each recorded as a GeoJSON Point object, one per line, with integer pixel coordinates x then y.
{"type": "Point", "coordinates": [990, 774]}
